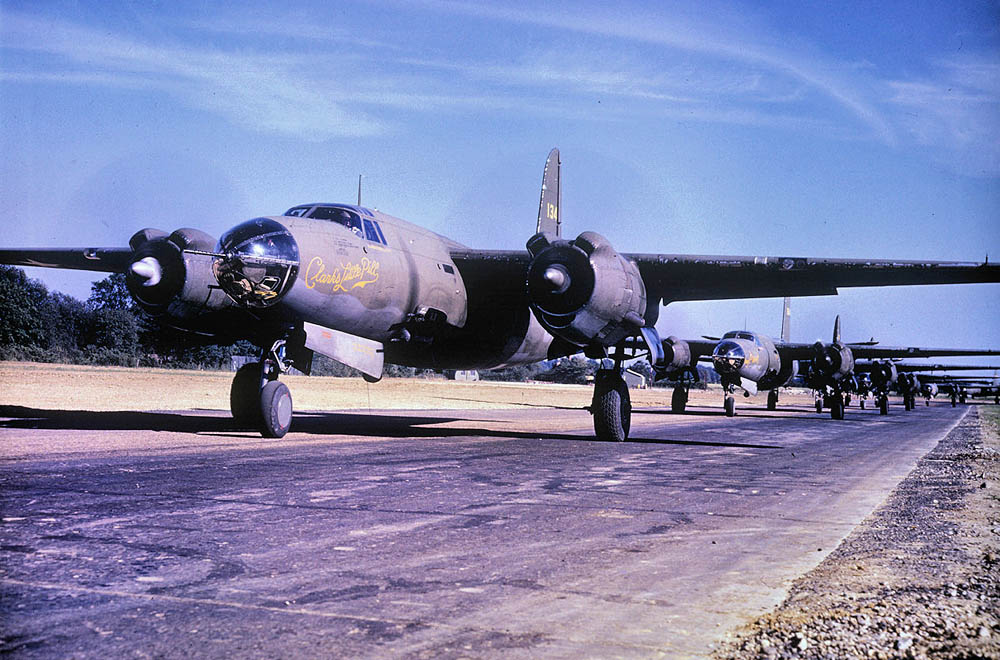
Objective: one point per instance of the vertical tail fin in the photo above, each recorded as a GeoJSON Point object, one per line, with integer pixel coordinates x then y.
{"type": "Point", "coordinates": [551, 198]}
{"type": "Point", "coordinates": [786, 321]}
{"type": "Point", "coordinates": [836, 329]}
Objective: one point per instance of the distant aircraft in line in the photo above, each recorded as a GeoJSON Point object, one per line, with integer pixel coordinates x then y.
{"type": "Point", "coordinates": [754, 361]}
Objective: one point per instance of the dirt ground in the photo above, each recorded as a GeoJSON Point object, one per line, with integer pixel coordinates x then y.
{"type": "Point", "coordinates": [920, 578]}
{"type": "Point", "coordinates": [65, 387]}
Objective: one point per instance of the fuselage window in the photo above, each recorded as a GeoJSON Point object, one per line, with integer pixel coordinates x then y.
{"type": "Point", "coordinates": [349, 219]}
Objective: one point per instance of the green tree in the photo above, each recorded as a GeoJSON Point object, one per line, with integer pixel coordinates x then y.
{"type": "Point", "coordinates": [67, 322]}
{"type": "Point", "coordinates": [22, 309]}
{"type": "Point", "coordinates": [572, 370]}
{"type": "Point", "coordinates": [111, 293]}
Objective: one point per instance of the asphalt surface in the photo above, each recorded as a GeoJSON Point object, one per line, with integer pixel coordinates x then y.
{"type": "Point", "coordinates": [419, 534]}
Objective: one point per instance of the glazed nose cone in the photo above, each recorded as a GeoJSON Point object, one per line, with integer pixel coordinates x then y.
{"type": "Point", "coordinates": [728, 357]}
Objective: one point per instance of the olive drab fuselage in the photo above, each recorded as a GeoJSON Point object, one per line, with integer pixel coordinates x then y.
{"type": "Point", "coordinates": [364, 286]}
{"type": "Point", "coordinates": [399, 278]}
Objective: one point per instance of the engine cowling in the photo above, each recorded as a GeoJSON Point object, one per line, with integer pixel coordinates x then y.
{"type": "Point", "coordinates": [832, 361]}
{"type": "Point", "coordinates": [676, 355]}
{"type": "Point", "coordinates": [584, 291]}
{"type": "Point", "coordinates": [883, 375]}
{"type": "Point", "coordinates": [168, 280]}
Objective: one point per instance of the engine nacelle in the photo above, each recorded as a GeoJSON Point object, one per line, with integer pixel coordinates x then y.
{"type": "Point", "coordinates": [676, 355]}
{"type": "Point", "coordinates": [166, 280]}
{"type": "Point", "coordinates": [831, 362]}
{"type": "Point", "coordinates": [584, 291]}
{"type": "Point", "coordinates": [883, 375]}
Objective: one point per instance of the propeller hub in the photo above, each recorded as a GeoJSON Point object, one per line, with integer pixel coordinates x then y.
{"type": "Point", "coordinates": [148, 270]}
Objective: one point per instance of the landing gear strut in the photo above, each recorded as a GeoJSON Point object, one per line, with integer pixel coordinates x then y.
{"type": "Point", "coordinates": [729, 402]}
{"type": "Point", "coordinates": [257, 399]}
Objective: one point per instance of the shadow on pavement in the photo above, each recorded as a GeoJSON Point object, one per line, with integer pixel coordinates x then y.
{"type": "Point", "coordinates": [315, 423]}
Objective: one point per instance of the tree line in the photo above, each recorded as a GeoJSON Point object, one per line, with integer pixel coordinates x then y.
{"type": "Point", "coordinates": [107, 329]}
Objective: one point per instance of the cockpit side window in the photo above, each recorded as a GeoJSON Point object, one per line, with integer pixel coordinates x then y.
{"type": "Point", "coordinates": [349, 219]}
{"type": "Point", "coordinates": [298, 211]}
{"type": "Point", "coordinates": [370, 233]}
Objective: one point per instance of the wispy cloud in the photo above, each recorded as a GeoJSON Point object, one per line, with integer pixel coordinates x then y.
{"type": "Point", "coordinates": [686, 35]}
{"type": "Point", "coordinates": [274, 92]}
{"type": "Point", "coordinates": [956, 111]}
{"type": "Point", "coordinates": [342, 82]}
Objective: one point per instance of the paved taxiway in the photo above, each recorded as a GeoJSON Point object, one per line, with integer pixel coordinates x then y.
{"type": "Point", "coordinates": [434, 534]}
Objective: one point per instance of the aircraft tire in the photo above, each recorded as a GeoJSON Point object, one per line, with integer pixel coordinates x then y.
{"type": "Point", "coordinates": [819, 406]}
{"type": "Point", "coordinates": [612, 409]}
{"type": "Point", "coordinates": [861, 403]}
{"type": "Point", "coordinates": [244, 395]}
{"type": "Point", "coordinates": [730, 406]}
{"type": "Point", "coordinates": [837, 408]}
{"type": "Point", "coordinates": [883, 407]}
{"type": "Point", "coordinates": [772, 400]}
{"type": "Point", "coordinates": [276, 409]}
{"type": "Point", "coordinates": [678, 400]}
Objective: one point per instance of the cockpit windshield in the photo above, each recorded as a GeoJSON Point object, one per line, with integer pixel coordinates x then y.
{"type": "Point", "coordinates": [298, 211]}
{"type": "Point", "coordinates": [737, 334]}
{"type": "Point", "coordinates": [346, 217]}
{"type": "Point", "coordinates": [367, 228]}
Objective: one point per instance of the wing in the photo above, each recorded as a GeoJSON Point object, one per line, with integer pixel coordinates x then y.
{"type": "Point", "coordinates": [685, 277]}
{"type": "Point", "coordinates": [672, 277]}
{"type": "Point", "coordinates": [796, 351]}
{"type": "Point", "coordinates": [105, 260]}
{"type": "Point", "coordinates": [870, 352]}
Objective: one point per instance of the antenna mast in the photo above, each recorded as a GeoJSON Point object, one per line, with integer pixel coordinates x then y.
{"type": "Point", "coordinates": [359, 190]}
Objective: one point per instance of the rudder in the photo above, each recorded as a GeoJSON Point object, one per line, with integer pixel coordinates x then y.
{"type": "Point", "coordinates": [551, 197]}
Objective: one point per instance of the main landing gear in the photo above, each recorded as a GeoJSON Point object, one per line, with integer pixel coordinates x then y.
{"type": "Point", "coordinates": [258, 399]}
{"type": "Point", "coordinates": [883, 404]}
{"type": "Point", "coordinates": [679, 399]}
{"type": "Point", "coordinates": [837, 406]}
{"type": "Point", "coordinates": [611, 406]}
{"type": "Point", "coordinates": [835, 401]}
{"type": "Point", "coordinates": [772, 399]}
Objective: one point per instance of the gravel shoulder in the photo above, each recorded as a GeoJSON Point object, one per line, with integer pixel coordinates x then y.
{"type": "Point", "coordinates": [919, 578]}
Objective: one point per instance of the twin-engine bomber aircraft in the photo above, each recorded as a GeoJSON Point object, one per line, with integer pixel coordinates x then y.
{"type": "Point", "coordinates": [363, 287]}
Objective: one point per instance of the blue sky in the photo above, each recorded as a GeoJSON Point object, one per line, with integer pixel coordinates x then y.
{"type": "Point", "coordinates": [786, 128]}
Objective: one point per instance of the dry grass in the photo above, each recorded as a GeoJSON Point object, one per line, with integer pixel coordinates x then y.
{"type": "Point", "coordinates": [71, 387]}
